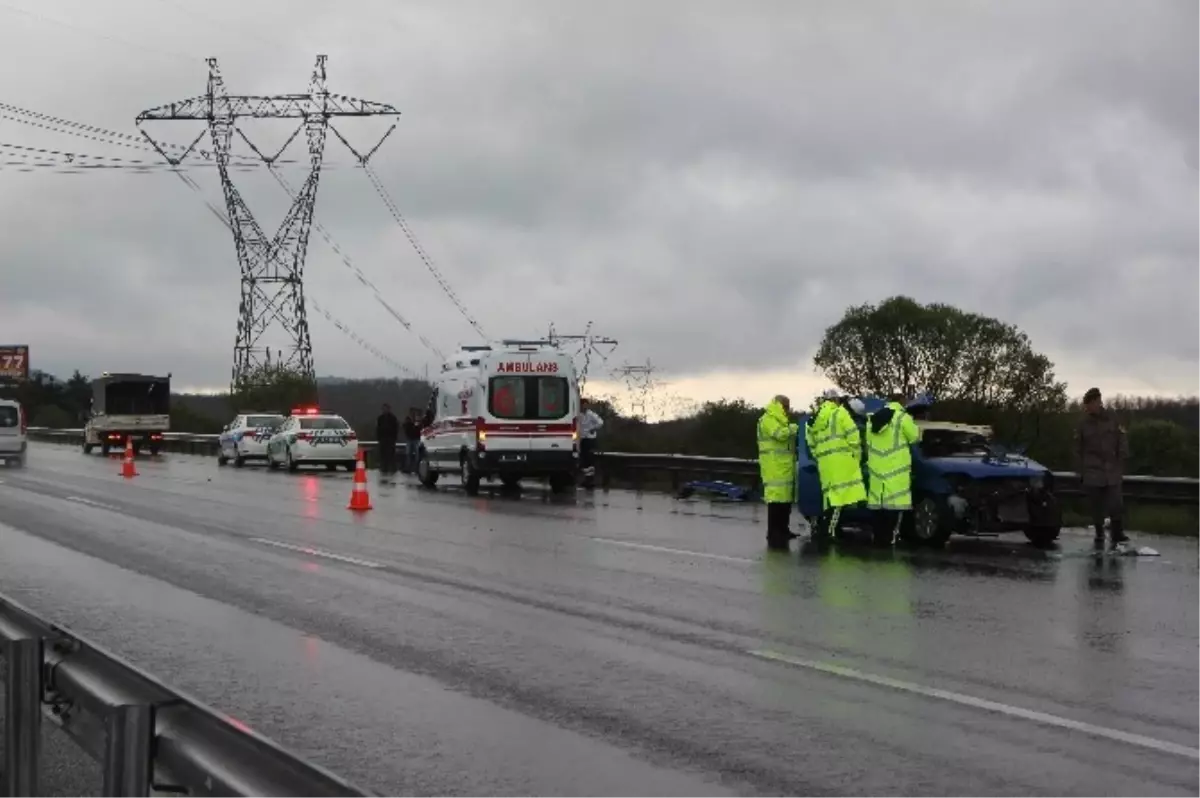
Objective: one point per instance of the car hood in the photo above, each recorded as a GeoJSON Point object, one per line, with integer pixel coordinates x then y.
{"type": "Point", "coordinates": [979, 467]}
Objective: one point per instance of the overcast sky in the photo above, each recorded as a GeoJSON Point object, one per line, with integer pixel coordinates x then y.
{"type": "Point", "coordinates": [711, 183]}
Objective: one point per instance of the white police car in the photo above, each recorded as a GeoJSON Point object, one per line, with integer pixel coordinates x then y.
{"type": "Point", "coordinates": [310, 437]}
{"type": "Point", "coordinates": [245, 438]}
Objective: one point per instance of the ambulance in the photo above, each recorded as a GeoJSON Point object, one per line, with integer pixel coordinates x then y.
{"type": "Point", "coordinates": [509, 411]}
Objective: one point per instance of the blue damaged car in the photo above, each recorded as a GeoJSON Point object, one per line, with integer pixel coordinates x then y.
{"type": "Point", "coordinates": [963, 484]}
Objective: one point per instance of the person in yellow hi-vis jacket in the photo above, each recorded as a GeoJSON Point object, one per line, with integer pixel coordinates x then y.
{"type": "Point", "coordinates": [777, 466]}
{"type": "Point", "coordinates": [835, 443]}
{"type": "Point", "coordinates": [891, 433]}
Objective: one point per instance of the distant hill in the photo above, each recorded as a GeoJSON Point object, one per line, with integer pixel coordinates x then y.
{"type": "Point", "coordinates": [358, 401]}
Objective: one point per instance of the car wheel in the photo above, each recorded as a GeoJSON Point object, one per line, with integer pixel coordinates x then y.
{"type": "Point", "coordinates": [292, 465]}
{"type": "Point", "coordinates": [931, 525]}
{"type": "Point", "coordinates": [425, 471]}
{"type": "Point", "coordinates": [238, 461]}
{"type": "Point", "coordinates": [511, 483]}
{"type": "Point", "coordinates": [221, 458]}
{"type": "Point", "coordinates": [1042, 536]}
{"type": "Point", "coordinates": [104, 450]}
{"type": "Point", "coordinates": [20, 461]}
{"type": "Point", "coordinates": [272, 465]}
{"type": "Point", "coordinates": [561, 483]}
{"type": "Point", "coordinates": [470, 477]}
{"type": "Point", "coordinates": [353, 464]}
{"type": "Point", "coordinates": [87, 448]}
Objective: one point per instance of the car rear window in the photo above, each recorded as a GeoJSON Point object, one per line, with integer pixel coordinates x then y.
{"type": "Point", "coordinates": [323, 423]}
{"type": "Point", "coordinates": [264, 421]}
{"type": "Point", "coordinates": [9, 417]}
{"type": "Point", "coordinates": [528, 397]}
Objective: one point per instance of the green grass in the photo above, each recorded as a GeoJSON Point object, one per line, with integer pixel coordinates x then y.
{"type": "Point", "coordinates": [1155, 519]}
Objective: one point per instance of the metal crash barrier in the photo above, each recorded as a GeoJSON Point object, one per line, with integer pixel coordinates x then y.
{"type": "Point", "coordinates": [148, 738]}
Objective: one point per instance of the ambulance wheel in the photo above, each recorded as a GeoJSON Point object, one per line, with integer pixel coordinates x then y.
{"type": "Point", "coordinates": [470, 477]}
{"type": "Point", "coordinates": [931, 523]}
{"type": "Point", "coordinates": [425, 472]}
{"type": "Point", "coordinates": [561, 483]}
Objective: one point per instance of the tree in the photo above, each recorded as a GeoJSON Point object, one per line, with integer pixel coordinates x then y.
{"type": "Point", "coordinates": [1161, 448]}
{"type": "Point", "coordinates": [903, 346]}
{"type": "Point", "coordinates": [273, 387]}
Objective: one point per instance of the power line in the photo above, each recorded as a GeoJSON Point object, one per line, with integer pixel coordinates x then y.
{"type": "Point", "coordinates": [345, 329]}
{"type": "Point", "coordinates": [114, 138]}
{"type": "Point", "coordinates": [358, 274]}
{"type": "Point", "coordinates": [421, 253]}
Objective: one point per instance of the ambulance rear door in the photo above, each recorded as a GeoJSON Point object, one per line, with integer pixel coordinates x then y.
{"type": "Point", "coordinates": [530, 406]}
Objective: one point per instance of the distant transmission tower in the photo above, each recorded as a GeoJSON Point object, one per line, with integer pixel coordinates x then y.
{"type": "Point", "coordinates": [585, 346]}
{"type": "Point", "coordinates": [639, 382]}
{"type": "Point", "coordinates": [272, 295]}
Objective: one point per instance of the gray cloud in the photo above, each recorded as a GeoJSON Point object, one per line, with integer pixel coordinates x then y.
{"type": "Point", "coordinates": [712, 188]}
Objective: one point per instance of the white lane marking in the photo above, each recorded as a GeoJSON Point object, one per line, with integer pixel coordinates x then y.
{"type": "Point", "coordinates": [982, 703]}
{"type": "Point", "coordinates": [90, 503]}
{"type": "Point", "coordinates": [664, 549]}
{"type": "Point", "coordinates": [329, 555]}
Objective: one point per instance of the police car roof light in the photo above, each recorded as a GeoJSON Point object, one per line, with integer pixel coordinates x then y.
{"type": "Point", "coordinates": [306, 411]}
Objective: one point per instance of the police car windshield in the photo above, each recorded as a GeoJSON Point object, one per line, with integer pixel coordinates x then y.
{"type": "Point", "coordinates": [264, 421]}
{"type": "Point", "coordinates": [323, 423]}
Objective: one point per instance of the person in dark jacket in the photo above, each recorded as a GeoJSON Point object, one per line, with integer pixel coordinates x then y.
{"type": "Point", "coordinates": [1101, 448]}
{"type": "Point", "coordinates": [387, 434]}
{"type": "Point", "coordinates": [412, 439]}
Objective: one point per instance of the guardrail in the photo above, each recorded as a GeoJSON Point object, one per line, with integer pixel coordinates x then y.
{"type": "Point", "coordinates": [661, 470]}
{"type": "Point", "coordinates": [145, 735]}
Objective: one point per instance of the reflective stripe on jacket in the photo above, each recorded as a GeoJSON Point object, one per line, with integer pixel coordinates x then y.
{"type": "Point", "coordinates": [889, 459]}
{"type": "Point", "coordinates": [835, 443]}
{"type": "Point", "coordinates": [777, 454]}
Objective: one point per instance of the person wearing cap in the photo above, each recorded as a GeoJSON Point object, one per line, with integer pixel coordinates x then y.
{"type": "Point", "coordinates": [1101, 448]}
{"type": "Point", "coordinates": [891, 433]}
{"type": "Point", "coordinates": [835, 443]}
{"type": "Point", "coordinates": [777, 467]}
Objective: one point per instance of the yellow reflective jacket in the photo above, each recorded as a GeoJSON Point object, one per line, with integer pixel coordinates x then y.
{"type": "Point", "coordinates": [777, 454]}
{"type": "Point", "coordinates": [890, 433]}
{"type": "Point", "coordinates": [836, 444]}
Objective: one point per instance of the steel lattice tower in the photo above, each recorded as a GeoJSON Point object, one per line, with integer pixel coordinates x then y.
{"type": "Point", "coordinates": [272, 269]}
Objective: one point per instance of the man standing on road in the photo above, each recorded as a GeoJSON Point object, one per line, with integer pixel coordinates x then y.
{"type": "Point", "coordinates": [589, 428]}
{"type": "Point", "coordinates": [835, 442]}
{"type": "Point", "coordinates": [891, 433]}
{"type": "Point", "coordinates": [1101, 448]}
{"type": "Point", "coordinates": [412, 439]}
{"type": "Point", "coordinates": [777, 468]}
{"type": "Point", "coordinates": [387, 433]}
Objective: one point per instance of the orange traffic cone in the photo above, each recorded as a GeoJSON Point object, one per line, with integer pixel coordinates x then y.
{"type": "Point", "coordinates": [127, 468]}
{"type": "Point", "coordinates": [360, 499]}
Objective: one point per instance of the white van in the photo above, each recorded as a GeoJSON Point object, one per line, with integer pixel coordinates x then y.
{"type": "Point", "coordinates": [507, 410]}
{"type": "Point", "coordinates": [13, 433]}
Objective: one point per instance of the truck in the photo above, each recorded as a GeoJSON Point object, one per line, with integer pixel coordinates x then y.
{"type": "Point", "coordinates": [134, 407]}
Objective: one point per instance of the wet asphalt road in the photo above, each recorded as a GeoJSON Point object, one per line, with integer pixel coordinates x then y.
{"type": "Point", "coordinates": [613, 644]}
